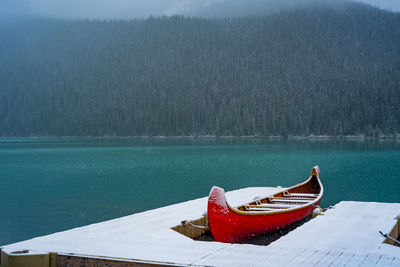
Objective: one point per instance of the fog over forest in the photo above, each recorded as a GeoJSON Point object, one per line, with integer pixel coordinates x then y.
{"type": "Point", "coordinates": [128, 9]}
{"type": "Point", "coordinates": [300, 67]}
{"type": "Point", "coordinates": [326, 69]}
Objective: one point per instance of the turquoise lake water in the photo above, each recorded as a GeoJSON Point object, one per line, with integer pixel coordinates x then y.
{"type": "Point", "coordinates": [50, 185]}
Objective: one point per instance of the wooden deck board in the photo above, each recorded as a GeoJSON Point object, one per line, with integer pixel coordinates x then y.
{"type": "Point", "coordinates": [342, 259]}
{"type": "Point", "coordinates": [328, 259]}
{"type": "Point", "coordinates": [385, 260]}
{"type": "Point", "coordinates": [299, 260]}
{"type": "Point", "coordinates": [356, 260]}
{"type": "Point", "coordinates": [371, 259]}
{"type": "Point", "coordinates": [316, 258]}
{"type": "Point", "coordinates": [395, 262]}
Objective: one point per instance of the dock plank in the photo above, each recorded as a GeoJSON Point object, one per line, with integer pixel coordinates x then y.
{"type": "Point", "coordinates": [371, 260]}
{"type": "Point", "coordinates": [396, 262]}
{"type": "Point", "coordinates": [385, 260]}
{"type": "Point", "coordinates": [299, 260]}
{"type": "Point", "coordinates": [356, 260]}
{"type": "Point", "coordinates": [291, 256]}
{"type": "Point", "coordinates": [342, 259]}
{"type": "Point", "coordinates": [316, 257]}
{"type": "Point", "coordinates": [329, 258]}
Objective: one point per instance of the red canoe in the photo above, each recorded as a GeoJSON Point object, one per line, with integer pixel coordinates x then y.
{"type": "Point", "coordinates": [263, 215]}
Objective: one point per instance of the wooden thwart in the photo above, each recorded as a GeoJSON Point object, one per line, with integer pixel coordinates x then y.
{"type": "Point", "coordinates": [302, 195]}
{"type": "Point", "coordinates": [268, 206]}
{"type": "Point", "coordinates": [279, 199]}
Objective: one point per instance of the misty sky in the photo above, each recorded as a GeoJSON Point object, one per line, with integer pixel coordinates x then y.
{"type": "Point", "coordinates": [126, 8]}
{"type": "Point", "coordinates": [384, 4]}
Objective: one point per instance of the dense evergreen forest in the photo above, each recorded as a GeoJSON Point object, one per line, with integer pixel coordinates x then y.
{"type": "Point", "coordinates": [311, 70]}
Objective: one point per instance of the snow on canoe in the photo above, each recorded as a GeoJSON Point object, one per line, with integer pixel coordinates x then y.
{"type": "Point", "coordinates": [233, 224]}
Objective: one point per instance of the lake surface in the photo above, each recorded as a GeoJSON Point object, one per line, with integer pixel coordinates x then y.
{"type": "Point", "coordinates": [49, 185]}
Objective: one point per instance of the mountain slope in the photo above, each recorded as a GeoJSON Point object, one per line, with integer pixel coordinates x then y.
{"type": "Point", "coordinates": [319, 70]}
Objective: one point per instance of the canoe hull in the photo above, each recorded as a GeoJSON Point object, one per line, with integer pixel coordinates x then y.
{"type": "Point", "coordinates": [230, 227]}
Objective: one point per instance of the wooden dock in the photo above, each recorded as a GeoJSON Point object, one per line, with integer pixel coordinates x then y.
{"type": "Point", "coordinates": [346, 235]}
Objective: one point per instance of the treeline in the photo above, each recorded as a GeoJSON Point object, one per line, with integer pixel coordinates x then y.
{"type": "Point", "coordinates": [321, 71]}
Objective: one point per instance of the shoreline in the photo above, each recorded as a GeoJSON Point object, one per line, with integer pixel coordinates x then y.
{"type": "Point", "coordinates": [272, 137]}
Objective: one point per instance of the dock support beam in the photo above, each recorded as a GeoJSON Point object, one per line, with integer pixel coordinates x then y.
{"type": "Point", "coordinates": [27, 258]}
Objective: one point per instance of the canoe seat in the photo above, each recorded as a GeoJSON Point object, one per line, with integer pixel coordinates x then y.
{"type": "Point", "coordinates": [291, 200]}
{"type": "Point", "coordinates": [300, 195]}
{"type": "Point", "coordinates": [268, 206]}
{"type": "Point", "coordinates": [259, 209]}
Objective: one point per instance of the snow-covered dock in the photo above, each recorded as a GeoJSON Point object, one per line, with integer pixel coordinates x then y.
{"type": "Point", "coordinates": [347, 234]}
